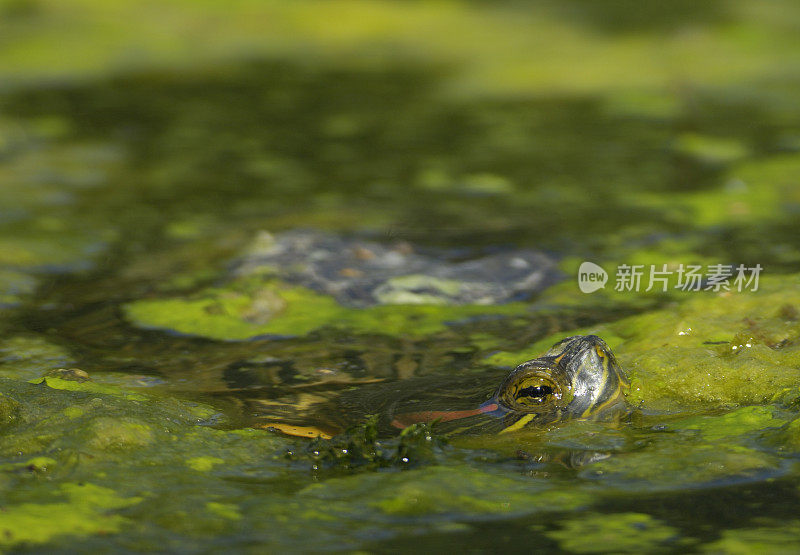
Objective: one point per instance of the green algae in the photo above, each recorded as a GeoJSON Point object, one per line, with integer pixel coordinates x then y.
{"type": "Point", "coordinates": [667, 453]}
{"type": "Point", "coordinates": [447, 492]}
{"type": "Point", "coordinates": [734, 424]}
{"type": "Point", "coordinates": [710, 150]}
{"type": "Point", "coordinates": [9, 409]}
{"type": "Point", "coordinates": [697, 451]}
{"type": "Point", "coordinates": [35, 464]}
{"type": "Point", "coordinates": [241, 312]}
{"type": "Point", "coordinates": [556, 442]}
{"type": "Point", "coordinates": [108, 433]}
{"type": "Point", "coordinates": [61, 416]}
{"type": "Point", "coordinates": [772, 540]}
{"type": "Point", "coordinates": [86, 509]}
{"type": "Point", "coordinates": [417, 497]}
{"type": "Point", "coordinates": [470, 185]}
{"type": "Point", "coordinates": [27, 357]}
{"type": "Point", "coordinates": [87, 387]}
{"type": "Point", "coordinates": [788, 437]}
{"type": "Point", "coordinates": [74, 412]}
{"type": "Point", "coordinates": [229, 314]}
{"type": "Point", "coordinates": [225, 510]}
{"type": "Point", "coordinates": [106, 436]}
{"type": "Point", "coordinates": [752, 192]}
{"type": "Point", "coordinates": [643, 103]}
{"type": "Point", "coordinates": [616, 533]}
{"type": "Point", "coordinates": [40, 464]}
{"type": "Point", "coordinates": [204, 464]}
{"type": "Point", "coordinates": [599, 436]}
{"type": "Point", "coordinates": [673, 466]}
{"type": "Point", "coordinates": [493, 60]}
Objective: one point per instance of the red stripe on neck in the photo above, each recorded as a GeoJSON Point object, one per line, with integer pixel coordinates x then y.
{"type": "Point", "coordinates": [409, 418]}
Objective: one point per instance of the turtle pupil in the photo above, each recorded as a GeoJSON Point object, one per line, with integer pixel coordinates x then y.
{"type": "Point", "coordinates": [538, 391]}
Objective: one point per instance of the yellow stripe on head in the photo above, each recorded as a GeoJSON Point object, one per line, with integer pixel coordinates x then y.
{"type": "Point", "coordinates": [612, 399]}
{"type": "Point", "coordinates": [519, 424]}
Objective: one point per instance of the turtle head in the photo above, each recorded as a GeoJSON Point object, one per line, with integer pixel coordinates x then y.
{"type": "Point", "coordinates": [577, 378]}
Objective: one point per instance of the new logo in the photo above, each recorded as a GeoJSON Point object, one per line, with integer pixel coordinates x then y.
{"type": "Point", "coordinates": [591, 277]}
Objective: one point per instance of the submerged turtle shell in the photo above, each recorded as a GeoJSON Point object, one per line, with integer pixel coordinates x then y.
{"type": "Point", "coordinates": [361, 273]}
{"type": "Point", "coordinates": [577, 378]}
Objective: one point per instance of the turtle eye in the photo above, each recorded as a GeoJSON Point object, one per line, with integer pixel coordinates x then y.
{"type": "Point", "coordinates": [534, 394]}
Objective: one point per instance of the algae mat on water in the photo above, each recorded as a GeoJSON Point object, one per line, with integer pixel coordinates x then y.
{"type": "Point", "coordinates": [599, 52]}
{"type": "Point", "coordinates": [228, 313]}
{"type": "Point", "coordinates": [77, 449]}
{"type": "Point", "coordinates": [69, 451]}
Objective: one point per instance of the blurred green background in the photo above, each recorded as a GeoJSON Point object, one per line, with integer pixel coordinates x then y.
{"type": "Point", "coordinates": [574, 126]}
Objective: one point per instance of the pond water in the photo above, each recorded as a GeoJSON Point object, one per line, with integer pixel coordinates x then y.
{"type": "Point", "coordinates": [137, 202]}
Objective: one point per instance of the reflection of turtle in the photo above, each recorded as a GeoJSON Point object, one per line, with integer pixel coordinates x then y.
{"type": "Point", "coordinates": [577, 378]}
{"type": "Point", "coordinates": [361, 273]}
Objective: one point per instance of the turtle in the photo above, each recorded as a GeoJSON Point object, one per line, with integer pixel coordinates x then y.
{"type": "Point", "coordinates": [577, 378]}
